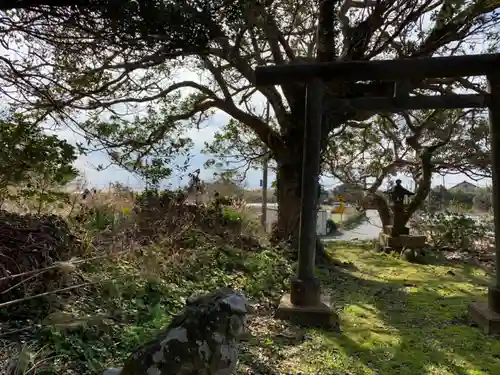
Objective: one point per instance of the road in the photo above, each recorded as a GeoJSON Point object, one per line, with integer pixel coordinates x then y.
{"type": "Point", "coordinates": [366, 231]}
{"type": "Point", "coordinates": [370, 229]}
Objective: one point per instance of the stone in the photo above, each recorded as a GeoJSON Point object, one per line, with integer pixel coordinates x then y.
{"type": "Point", "coordinates": [319, 315]}
{"type": "Point", "coordinates": [112, 371]}
{"type": "Point", "coordinates": [305, 291]}
{"type": "Point", "coordinates": [413, 255]}
{"type": "Point", "coordinates": [487, 314]}
{"type": "Point", "coordinates": [402, 231]}
{"type": "Point", "coordinates": [409, 255]}
{"type": "Point", "coordinates": [494, 298]}
{"type": "Point", "coordinates": [387, 250]}
{"type": "Point", "coordinates": [402, 241]}
{"type": "Point", "coordinates": [485, 317]}
{"type": "Point", "coordinates": [201, 340]}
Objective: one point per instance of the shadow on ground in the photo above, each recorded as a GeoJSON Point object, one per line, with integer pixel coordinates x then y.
{"type": "Point", "coordinates": [396, 318]}
{"type": "Point", "coordinates": [410, 319]}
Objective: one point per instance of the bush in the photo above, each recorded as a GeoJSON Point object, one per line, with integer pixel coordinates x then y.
{"type": "Point", "coordinates": [33, 164]}
{"type": "Point", "coordinates": [483, 202]}
{"type": "Point", "coordinates": [139, 262]}
{"type": "Point", "coordinates": [452, 231]}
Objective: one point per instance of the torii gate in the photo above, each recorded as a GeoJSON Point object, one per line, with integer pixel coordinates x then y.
{"type": "Point", "coordinates": [304, 299]}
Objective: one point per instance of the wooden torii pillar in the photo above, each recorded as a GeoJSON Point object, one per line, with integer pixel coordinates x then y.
{"type": "Point", "coordinates": [403, 73]}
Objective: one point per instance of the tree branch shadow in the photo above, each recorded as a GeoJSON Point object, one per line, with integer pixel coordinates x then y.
{"type": "Point", "coordinates": [396, 307]}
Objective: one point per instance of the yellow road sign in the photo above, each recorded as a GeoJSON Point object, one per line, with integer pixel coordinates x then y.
{"type": "Point", "coordinates": [338, 208]}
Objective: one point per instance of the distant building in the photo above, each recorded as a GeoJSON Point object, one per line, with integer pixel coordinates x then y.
{"type": "Point", "coordinates": [464, 186]}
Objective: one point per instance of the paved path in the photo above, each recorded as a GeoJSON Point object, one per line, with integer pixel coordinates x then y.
{"type": "Point", "coordinates": [369, 229]}
{"type": "Point", "coordinates": [366, 231]}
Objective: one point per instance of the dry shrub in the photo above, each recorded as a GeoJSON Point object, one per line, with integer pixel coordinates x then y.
{"type": "Point", "coordinates": [36, 251]}
{"type": "Point", "coordinates": [170, 217]}
{"type": "Point", "coordinates": [140, 260]}
{"type": "Point", "coordinates": [47, 254]}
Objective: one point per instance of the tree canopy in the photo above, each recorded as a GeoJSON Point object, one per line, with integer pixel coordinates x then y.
{"type": "Point", "coordinates": [417, 144]}
{"type": "Point", "coordinates": [390, 144]}
{"type": "Point", "coordinates": [185, 60]}
{"type": "Point", "coordinates": [29, 157]}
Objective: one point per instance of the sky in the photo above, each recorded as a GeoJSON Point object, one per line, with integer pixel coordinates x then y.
{"type": "Point", "coordinates": [87, 164]}
{"type": "Point", "coordinates": [101, 179]}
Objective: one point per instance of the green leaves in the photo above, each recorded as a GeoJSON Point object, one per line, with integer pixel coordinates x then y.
{"type": "Point", "coordinates": [389, 145]}
{"type": "Point", "coordinates": [114, 58]}
{"type": "Point", "coordinates": [147, 145]}
{"type": "Point", "coordinates": [30, 158]}
{"type": "Point", "coordinates": [235, 146]}
{"type": "Point", "coordinates": [451, 230]}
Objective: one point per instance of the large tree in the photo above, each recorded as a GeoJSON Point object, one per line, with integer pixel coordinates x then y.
{"type": "Point", "coordinates": [418, 144]}
{"type": "Point", "coordinates": [32, 162]}
{"type": "Point", "coordinates": [92, 59]}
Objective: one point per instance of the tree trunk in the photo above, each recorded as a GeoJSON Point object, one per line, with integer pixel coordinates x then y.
{"type": "Point", "coordinates": [418, 199]}
{"type": "Point", "coordinates": [288, 192]}
{"type": "Point", "coordinates": [383, 208]}
{"type": "Point", "coordinates": [424, 184]}
{"type": "Point", "coordinates": [288, 187]}
{"type": "Point", "coordinates": [385, 212]}
{"type": "Point", "coordinates": [374, 200]}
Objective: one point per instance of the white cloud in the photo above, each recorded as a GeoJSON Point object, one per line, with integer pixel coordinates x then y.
{"type": "Point", "coordinates": [101, 179]}
{"type": "Point", "coordinates": [207, 131]}
{"type": "Point", "coordinates": [88, 164]}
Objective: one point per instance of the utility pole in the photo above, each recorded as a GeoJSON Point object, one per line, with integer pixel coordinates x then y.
{"type": "Point", "coordinates": [429, 200]}
{"type": "Point", "coordinates": [263, 217]}
{"type": "Point", "coordinates": [443, 203]}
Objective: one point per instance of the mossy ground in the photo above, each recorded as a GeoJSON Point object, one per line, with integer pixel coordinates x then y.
{"type": "Point", "coordinates": [396, 317]}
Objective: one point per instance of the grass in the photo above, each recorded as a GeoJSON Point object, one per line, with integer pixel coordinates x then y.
{"type": "Point", "coordinates": [396, 317]}
{"type": "Point", "coordinates": [133, 297]}
{"type": "Point", "coordinates": [144, 269]}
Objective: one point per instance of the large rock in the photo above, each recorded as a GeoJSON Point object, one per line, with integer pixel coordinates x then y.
{"type": "Point", "coordinates": [201, 340]}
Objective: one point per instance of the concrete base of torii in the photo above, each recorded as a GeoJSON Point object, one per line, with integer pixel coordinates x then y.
{"type": "Point", "coordinates": [487, 314]}
{"type": "Point", "coordinates": [307, 307]}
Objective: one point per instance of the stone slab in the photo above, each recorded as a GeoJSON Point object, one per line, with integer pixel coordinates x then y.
{"type": "Point", "coordinates": [484, 317]}
{"type": "Point", "coordinates": [408, 241]}
{"type": "Point", "coordinates": [320, 315]}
